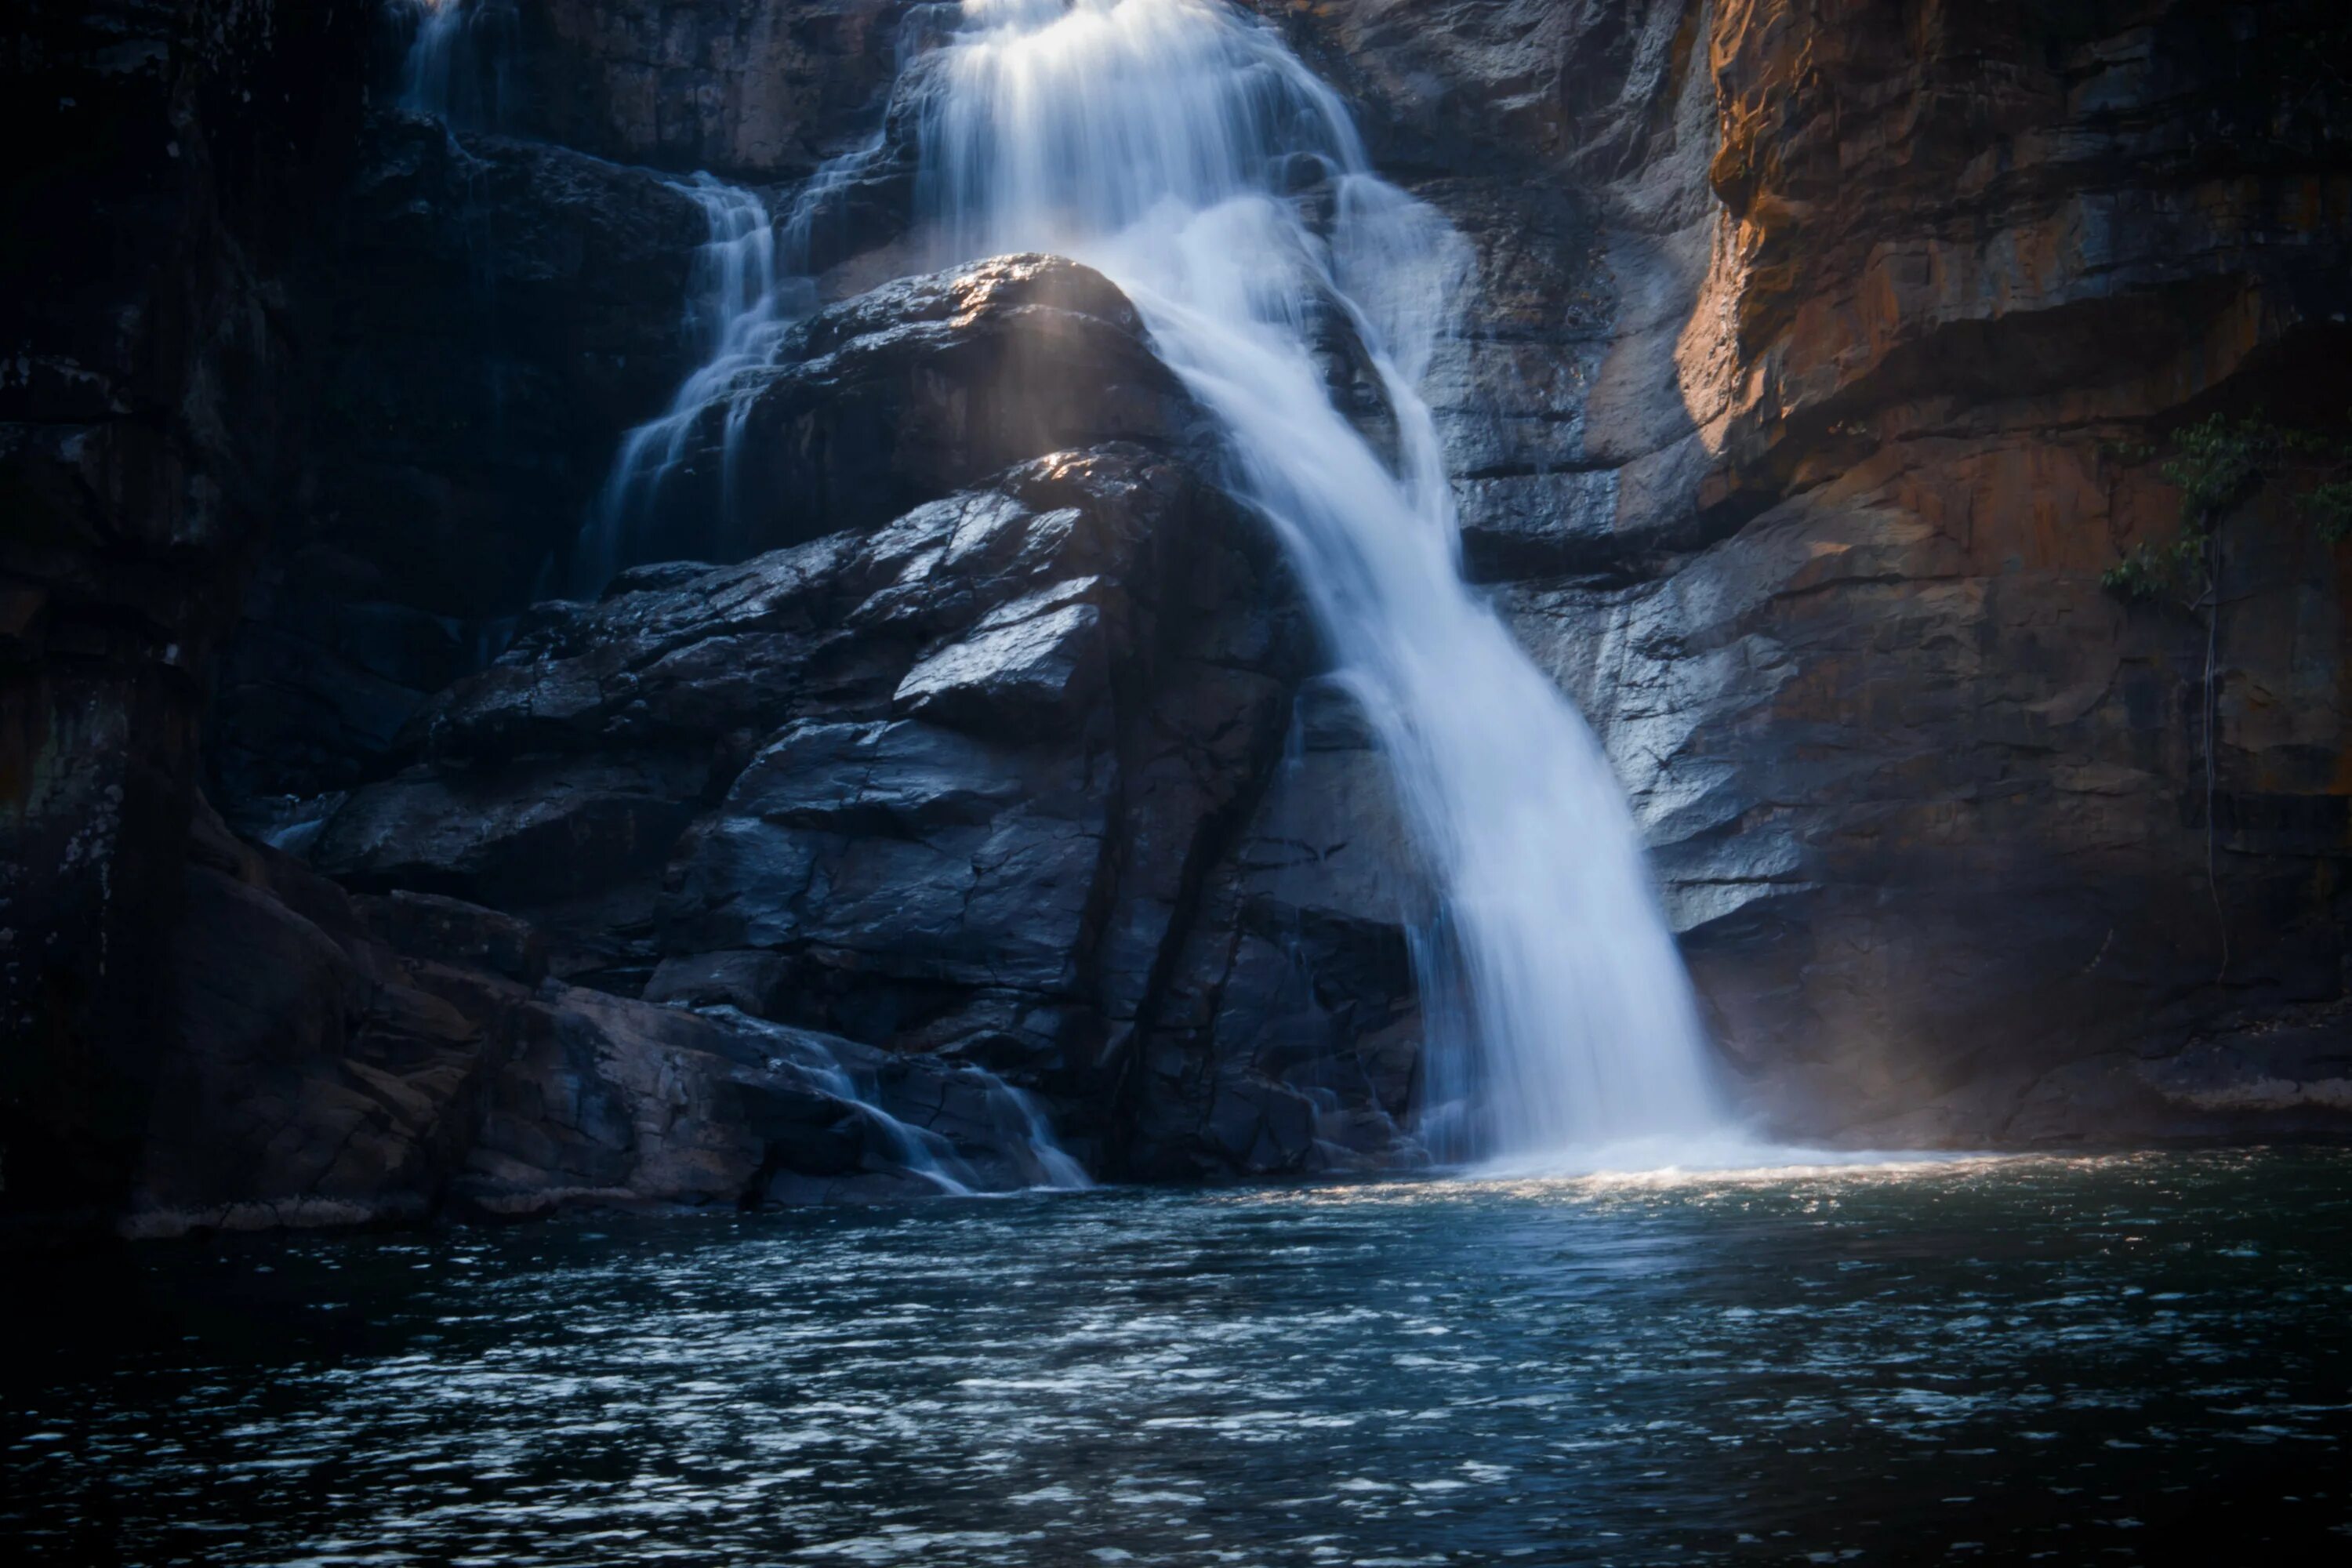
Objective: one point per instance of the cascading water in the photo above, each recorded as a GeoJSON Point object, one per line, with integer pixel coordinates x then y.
{"type": "Point", "coordinates": [735, 309]}
{"type": "Point", "coordinates": [750, 285]}
{"type": "Point", "coordinates": [456, 70]}
{"type": "Point", "coordinates": [1024, 1139]}
{"type": "Point", "coordinates": [1161, 141]}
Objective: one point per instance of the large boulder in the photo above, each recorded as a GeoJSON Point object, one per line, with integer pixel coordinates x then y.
{"type": "Point", "coordinates": [904, 394]}
{"type": "Point", "coordinates": [959, 779]}
{"type": "Point", "coordinates": [339, 1062]}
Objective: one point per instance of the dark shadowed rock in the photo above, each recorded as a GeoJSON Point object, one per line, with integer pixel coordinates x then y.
{"type": "Point", "coordinates": [758, 92]}
{"type": "Point", "coordinates": [332, 1069]}
{"type": "Point", "coordinates": [451, 931]}
{"type": "Point", "coordinates": [486, 324]}
{"type": "Point", "coordinates": [917, 389]}
{"type": "Point", "coordinates": [168, 161]}
{"type": "Point", "coordinates": [1288, 1037]}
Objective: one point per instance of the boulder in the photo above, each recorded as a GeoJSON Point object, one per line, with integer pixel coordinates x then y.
{"type": "Point", "coordinates": [341, 1061]}
{"type": "Point", "coordinates": [910, 392]}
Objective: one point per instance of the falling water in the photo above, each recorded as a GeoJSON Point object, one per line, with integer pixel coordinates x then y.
{"type": "Point", "coordinates": [734, 308]}
{"type": "Point", "coordinates": [750, 285]}
{"type": "Point", "coordinates": [1160, 140]}
{"type": "Point", "coordinates": [456, 70]}
{"type": "Point", "coordinates": [1024, 1137]}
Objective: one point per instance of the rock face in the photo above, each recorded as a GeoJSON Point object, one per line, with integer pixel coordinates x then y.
{"type": "Point", "coordinates": [147, 424]}
{"type": "Point", "coordinates": [949, 732]}
{"type": "Point", "coordinates": [946, 782]}
{"type": "Point", "coordinates": [1807, 498]}
{"type": "Point", "coordinates": [906, 393]}
{"type": "Point", "coordinates": [485, 313]}
{"type": "Point", "coordinates": [344, 1061]}
{"type": "Point", "coordinates": [757, 92]}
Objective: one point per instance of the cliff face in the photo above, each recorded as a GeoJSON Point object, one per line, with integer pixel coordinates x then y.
{"type": "Point", "coordinates": [1804, 397]}
{"type": "Point", "coordinates": [1963, 847]}
{"type": "Point", "coordinates": [147, 426]}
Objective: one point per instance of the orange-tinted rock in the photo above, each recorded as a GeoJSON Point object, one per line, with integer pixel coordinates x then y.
{"type": "Point", "coordinates": [1869, 299]}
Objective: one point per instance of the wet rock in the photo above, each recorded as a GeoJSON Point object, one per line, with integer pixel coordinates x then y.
{"type": "Point", "coordinates": [451, 931]}
{"type": "Point", "coordinates": [913, 391]}
{"type": "Point", "coordinates": [942, 781]}
{"type": "Point", "coordinates": [762, 92]}
{"type": "Point", "coordinates": [340, 1062]}
{"type": "Point", "coordinates": [1788, 414]}
{"type": "Point", "coordinates": [749, 980]}
{"type": "Point", "coordinates": [533, 831]}
{"type": "Point", "coordinates": [310, 1077]}
{"type": "Point", "coordinates": [1288, 1037]}
{"type": "Point", "coordinates": [1029, 666]}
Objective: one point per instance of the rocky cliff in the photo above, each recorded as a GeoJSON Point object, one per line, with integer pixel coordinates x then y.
{"type": "Point", "coordinates": [1879, 312]}
{"type": "Point", "coordinates": [1809, 386]}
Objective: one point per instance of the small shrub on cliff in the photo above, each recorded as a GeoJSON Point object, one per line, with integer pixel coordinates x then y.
{"type": "Point", "coordinates": [2217, 464]}
{"type": "Point", "coordinates": [2152, 572]}
{"type": "Point", "coordinates": [2329, 507]}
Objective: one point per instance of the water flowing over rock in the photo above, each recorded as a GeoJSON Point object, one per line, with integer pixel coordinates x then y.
{"type": "Point", "coordinates": [978, 685]}
{"type": "Point", "coordinates": [1160, 138]}
{"type": "Point", "coordinates": [1806, 495]}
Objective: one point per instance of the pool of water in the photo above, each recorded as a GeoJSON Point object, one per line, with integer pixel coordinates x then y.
{"type": "Point", "coordinates": [2072, 1360]}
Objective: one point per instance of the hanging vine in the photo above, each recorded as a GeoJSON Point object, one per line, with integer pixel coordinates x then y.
{"type": "Point", "coordinates": [2218, 464]}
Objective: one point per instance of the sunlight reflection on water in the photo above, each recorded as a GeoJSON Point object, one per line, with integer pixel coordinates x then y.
{"type": "Point", "coordinates": [1698, 1366]}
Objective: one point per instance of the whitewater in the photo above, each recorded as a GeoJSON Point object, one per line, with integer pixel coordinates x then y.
{"type": "Point", "coordinates": [1181, 149]}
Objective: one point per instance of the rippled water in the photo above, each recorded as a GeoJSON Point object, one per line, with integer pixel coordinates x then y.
{"type": "Point", "coordinates": [2082, 1360]}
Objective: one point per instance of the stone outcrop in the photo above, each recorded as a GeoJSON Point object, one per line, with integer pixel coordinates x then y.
{"type": "Point", "coordinates": [756, 93]}
{"type": "Point", "coordinates": [482, 315]}
{"type": "Point", "coordinates": [342, 1061]}
{"type": "Point", "coordinates": [945, 781]}
{"type": "Point", "coordinates": [168, 156]}
{"type": "Point", "coordinates": [902, 394]}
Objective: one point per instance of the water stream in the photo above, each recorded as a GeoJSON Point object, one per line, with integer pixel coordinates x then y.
{"type": "Point", "coordinates": [456, 66]}
{"type": "Point", "coordinates": [735, 307]}
{"type": "Point", "coordinates": [1181, 148]}
{"type": "Point", "coordinates": [1178, 146]}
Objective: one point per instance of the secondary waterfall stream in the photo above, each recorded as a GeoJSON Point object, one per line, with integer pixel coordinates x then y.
{"type": "Point", "coordinates": [1161, 141]}
{"type": "Point", "coordinates": [738, 310]}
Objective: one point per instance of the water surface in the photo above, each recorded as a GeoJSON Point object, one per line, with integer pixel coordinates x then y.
{"type": "Point", "coordinates": [2075, 1361]}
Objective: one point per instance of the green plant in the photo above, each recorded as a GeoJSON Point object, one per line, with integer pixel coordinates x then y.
{"type": "Point", "coordinates": [2151, 572]}
{"type": "Point", "coordinates": [2217, 464]}
{"type": "Point", "coordinates": [2329, 507]}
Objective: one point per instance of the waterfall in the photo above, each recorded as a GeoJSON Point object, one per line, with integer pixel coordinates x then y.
{"type": "Point", "coordinates": [734, 309]}
{"type": "Point", "coordinates": [456, 69]}
{"type": "Point", "coordinates": [751, 284]}
{"type": "Point", "coordinates": [1019, 1150]}
{"type": "Point", "coordinates": [1180, 148]}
